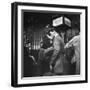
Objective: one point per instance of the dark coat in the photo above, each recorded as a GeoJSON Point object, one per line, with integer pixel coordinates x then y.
{"type": "Point", "coordinates": [43, 58]}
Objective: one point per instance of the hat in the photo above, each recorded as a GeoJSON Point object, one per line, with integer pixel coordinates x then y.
{"type": "Point", "coordinates": [48, 28]}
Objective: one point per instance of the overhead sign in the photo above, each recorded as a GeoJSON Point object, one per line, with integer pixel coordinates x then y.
{"type": "Point", "coordinates": [58, 21]}
{"type": "Point", "coordinates": [67, 22]}
{"type": "Point", "coordinates": [61, 20]}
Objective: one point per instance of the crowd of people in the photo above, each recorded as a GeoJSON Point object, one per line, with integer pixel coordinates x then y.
{"type": "Point", "coordinates": [57, 58]}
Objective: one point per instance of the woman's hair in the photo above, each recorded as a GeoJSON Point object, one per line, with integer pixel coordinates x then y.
{"type": "Point", "coordinates": [46, 42]}
{"type": "Point", "coordinates": [50, 30]}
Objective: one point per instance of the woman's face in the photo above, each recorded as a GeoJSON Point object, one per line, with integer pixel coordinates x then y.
{"type": "Point", "coordinates": [52, 34]}
{"type": "Point", "coordinates": [50, 37]}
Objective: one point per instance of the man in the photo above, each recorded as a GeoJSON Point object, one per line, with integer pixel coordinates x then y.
{"type": "Point", "coordinates": [57, 58]}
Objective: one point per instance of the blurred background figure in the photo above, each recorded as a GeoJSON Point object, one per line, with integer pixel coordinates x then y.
{"type": "Point", "coordinates": [29, 61]}
{"type": "Point", "coordinates": [75, 43]}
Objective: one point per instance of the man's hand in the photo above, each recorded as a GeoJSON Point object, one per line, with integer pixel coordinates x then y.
{"type": "Point", "coordinates": [48, 49]}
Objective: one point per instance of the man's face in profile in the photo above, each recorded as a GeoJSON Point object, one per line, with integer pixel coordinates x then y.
{"type": "Point", "coordinates": [52, 33]}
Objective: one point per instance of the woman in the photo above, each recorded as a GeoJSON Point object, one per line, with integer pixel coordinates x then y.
{"type": "Point", "coordinates": [43, 57]}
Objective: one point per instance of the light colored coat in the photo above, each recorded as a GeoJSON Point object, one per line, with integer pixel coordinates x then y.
{"type": "Point", "coordinates": [57, 58]}
{"type": "Point", "coordinates": [75, 41]}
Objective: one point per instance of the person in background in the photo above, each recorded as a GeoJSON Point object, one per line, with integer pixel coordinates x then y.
{"type": "Point", "coordinates": [75, 42]}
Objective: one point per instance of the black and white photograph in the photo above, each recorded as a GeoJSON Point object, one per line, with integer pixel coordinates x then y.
{"type": "Point", "coordinates": [51, 44]}
{"type": "Point", "coordinates": [48, 44]}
